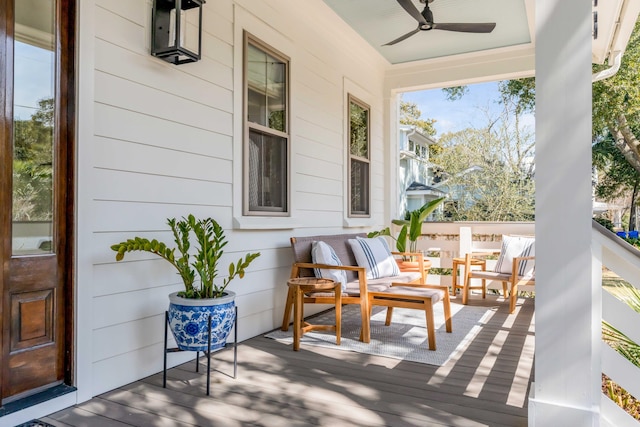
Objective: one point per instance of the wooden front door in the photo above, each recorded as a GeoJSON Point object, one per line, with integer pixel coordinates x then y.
{"type": "Point", "coordinates": [36, 164]}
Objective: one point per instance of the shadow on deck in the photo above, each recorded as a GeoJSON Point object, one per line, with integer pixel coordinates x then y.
{"type": "Point", "coordinates": [485, 385]}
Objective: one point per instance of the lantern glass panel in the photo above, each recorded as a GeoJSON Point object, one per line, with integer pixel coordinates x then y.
{"type": "Point", "coordinates": [176, 36]}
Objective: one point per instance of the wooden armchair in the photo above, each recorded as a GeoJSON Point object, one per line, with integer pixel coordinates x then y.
{"type": "Point", "coordinates": [515, 267]}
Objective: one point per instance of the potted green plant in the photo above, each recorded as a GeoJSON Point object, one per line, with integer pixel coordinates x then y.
{"type": "Point", "coordinates": [202, 298]}
{"type": "Point", "coordinates": [407, 238]}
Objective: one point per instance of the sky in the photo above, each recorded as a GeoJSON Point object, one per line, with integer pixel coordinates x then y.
{"type": "Point", "coordinates": [469, 111]}
{"type": "Point", "coordinates": [33, 78]}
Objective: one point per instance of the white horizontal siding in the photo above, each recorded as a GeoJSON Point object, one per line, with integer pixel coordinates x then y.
{"type": "Point", "coordinates": [125, 156]}
{"type": "Point", "coordinates": [162, 141]}
{"type": "Point", "coordinates": [157, 102]}
{"type": "Point", "coordinates": [125, 218]}
{"type": "Point", "coordinates": [125, 125]}
{"type": "Point", "coordinates": [141, 187]}
{"type": "Point", "coordinates": [214, 91]}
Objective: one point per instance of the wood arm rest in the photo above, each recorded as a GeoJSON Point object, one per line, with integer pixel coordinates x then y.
{"type": "Point", "coordinates": [516, 265]}
{"type": "Point", "coordinates": [362, 273]}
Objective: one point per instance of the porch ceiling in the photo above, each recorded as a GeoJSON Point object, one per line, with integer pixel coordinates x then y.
{"type": "Point", "coordinates": [380, 21]}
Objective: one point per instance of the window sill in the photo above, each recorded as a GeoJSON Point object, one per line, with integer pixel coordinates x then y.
{"type": "Point", "coordinates": [264, 223]}
{"type": "Point", "coordinates": [358, 222]}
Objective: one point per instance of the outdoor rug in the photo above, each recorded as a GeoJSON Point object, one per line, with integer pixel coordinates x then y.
{"type": "Point", "coordinates": [405, 338]}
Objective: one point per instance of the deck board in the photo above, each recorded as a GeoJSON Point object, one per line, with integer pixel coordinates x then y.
{"type": "Point", "coordinates": [485, 385]}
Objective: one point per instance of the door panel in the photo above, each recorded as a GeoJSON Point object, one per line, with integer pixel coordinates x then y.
{"type": "Point", "coordinates": [36, 147]}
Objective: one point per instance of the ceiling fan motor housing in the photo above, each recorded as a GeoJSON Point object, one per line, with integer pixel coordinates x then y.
{"type": "Point", "coordinates": [428, 16]}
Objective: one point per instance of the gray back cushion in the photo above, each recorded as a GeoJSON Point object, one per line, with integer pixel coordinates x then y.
{"type": "Point", "coordinates": [339, 242]}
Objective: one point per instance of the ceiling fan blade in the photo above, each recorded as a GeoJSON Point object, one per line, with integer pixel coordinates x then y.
{"type": "Point", "coordinates": [412, 10]}
{"type": "Point", "coordinates": [485, 27]}
{"type": "Point", "coordinates": [404, 37]}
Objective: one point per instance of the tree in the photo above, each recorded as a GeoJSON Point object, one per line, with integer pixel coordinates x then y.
{"type": "Point", "coordinates": [617, 178]}
{"type": "Point", "coordinates": [616, 103]}
{"type": "Point", "coordinates": [489, 171]}
{"type": "Point", "coordinates": [615, 100]}
{"type": "Point", "coordinates": [410, 115]}
{"type": "Point", "coordinates": [33, 165]}
{"type": "Point", "coordinates": [519, 93]}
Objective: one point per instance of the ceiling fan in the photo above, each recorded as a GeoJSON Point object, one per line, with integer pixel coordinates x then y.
{"type": "Point", "coordinates": [425, 22]}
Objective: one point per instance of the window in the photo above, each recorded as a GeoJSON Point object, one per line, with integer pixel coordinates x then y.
{"type": "Point", "coordinates": [266, 142]}
{"type": "Point", "coordinates": [359, 187]}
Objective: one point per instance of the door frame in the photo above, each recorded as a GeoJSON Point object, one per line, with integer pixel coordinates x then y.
{"type": "Point", "coordinates": [64, 166]}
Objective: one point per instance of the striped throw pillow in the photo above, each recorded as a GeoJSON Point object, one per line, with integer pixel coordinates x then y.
{"type": "Point", "coordinates": [322, 253]}
{"type": "Point", "coordinates": [516, 246]}
{"type": "Point", "coordinates": [375, 256]}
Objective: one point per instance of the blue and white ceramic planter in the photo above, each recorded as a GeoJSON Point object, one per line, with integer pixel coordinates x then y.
{"type": "Point", "coordinates": [188, 321]}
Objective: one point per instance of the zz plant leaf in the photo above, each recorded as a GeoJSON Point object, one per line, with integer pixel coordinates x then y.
{"type": "Point", "coordinates": [209, 240]}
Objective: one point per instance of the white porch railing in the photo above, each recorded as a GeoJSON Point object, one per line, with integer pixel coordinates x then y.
{"type": "Point", "coordinates": [447, 240]}
{"type": "Point", "coordinates": [624, 260]}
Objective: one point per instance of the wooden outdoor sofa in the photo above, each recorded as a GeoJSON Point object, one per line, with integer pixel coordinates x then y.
{"type": "Point", "coordinates": [407, 290]}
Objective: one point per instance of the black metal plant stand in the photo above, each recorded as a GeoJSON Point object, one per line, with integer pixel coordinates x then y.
{"type": "Point", "coordinates": [208, 352]}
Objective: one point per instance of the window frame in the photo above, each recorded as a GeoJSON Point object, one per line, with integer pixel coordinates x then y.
{"type": "Point", "coordinates": [351, 157]}
{"type": "Point", "coordinates": [248, 126]}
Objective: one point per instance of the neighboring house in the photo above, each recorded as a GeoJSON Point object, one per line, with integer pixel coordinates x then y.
{"type": "Point", "coordinates": [285, 127]}
{"type": "Point", "coordinates": [416, 172]}
{"type": "Point", "coordinates": [457, 191]}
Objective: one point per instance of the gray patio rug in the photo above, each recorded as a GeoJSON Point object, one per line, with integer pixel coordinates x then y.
{"type": "Point", "coordinates": [405, 338]}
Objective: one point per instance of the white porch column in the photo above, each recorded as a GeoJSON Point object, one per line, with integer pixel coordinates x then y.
{"type": "Point", "coordinates": [567, 380]}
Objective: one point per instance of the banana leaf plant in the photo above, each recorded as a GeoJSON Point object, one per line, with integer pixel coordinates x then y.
{"type": "Point", "coordinates": [411, 228]}
{"type": "Point", "coordinates": [210, 240]}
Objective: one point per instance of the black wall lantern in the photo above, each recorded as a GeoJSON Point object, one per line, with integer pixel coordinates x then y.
{"type": "Point", "coordinates": [177, 30]}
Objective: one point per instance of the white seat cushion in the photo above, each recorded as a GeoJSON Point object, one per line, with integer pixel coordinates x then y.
{"type": "Point", "coordinates": [397, 292]}
{"type": "Point", "coordinates": [380, 285]}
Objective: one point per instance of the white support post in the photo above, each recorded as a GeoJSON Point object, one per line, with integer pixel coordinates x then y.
{"type": "Point", "coordinates": [465, 247]}
{"type": "Point", "coordinates": [566, 389]}
{"type": "Point", "coordinates": [466, 241]}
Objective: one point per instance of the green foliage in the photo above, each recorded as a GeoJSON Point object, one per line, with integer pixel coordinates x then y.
{"type": "Point", "coordinates": [522, 92]}
{"type": "Point", "coordinates": [605, 222]}
{"type": "Point", "coordinates": [410, 114]}
{"type": "Point", "coordinates": [488, 173]}
{"type": "Point", "coordinates": [619, 94]}
{"type": "Point", "coordinates": [455, 93]}
{"type": "Point", "coordinates": [210, 239]}
{"type": "Point", "coordinates": [616, 339]}
{"type": "Point", "coordinates": [626, 347]}
{"type": "Point", "coordinates": [359, 130]}
{"type": "Point", "coordinates": [519, 92]}
{"type": "Point", "coordinates": [33, 165]}
{"type": "Point", "coordinates": [411, 228]}
{"type": "Point", "coordinates": [617, 177]}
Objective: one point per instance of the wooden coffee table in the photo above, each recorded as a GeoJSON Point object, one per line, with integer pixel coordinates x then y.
{"type": "Point", "coordinates": [302, 285]}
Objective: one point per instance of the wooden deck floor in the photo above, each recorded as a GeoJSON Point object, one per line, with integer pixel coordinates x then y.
{"type": "Point", "coordinates": [486, 385]}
